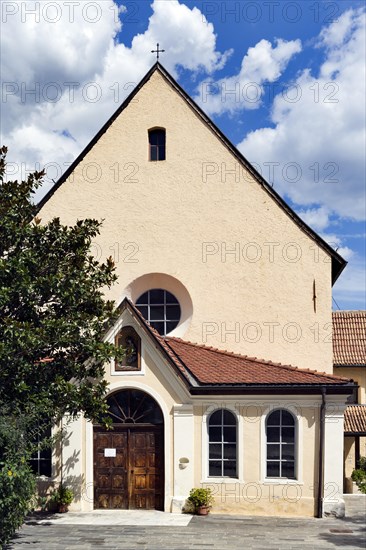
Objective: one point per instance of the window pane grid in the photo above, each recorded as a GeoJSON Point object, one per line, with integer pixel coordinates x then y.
{"type": "Point", "coordinates": [280, 430]}
{"type": "Point", "coordinates": [222, 457]}
{"type": "Point", "coordinates": [41, 460]}
{"type": "Point", "coordinates": [157, 144]}
{"type": "Point", "coordinates": [161, 309]}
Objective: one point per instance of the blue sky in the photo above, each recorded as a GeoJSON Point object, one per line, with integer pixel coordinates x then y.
{"type": "Point", "coordinates": [295, 70]}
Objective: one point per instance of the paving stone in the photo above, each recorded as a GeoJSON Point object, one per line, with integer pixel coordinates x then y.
{"type": "Point", "coordinates": [214, 532]}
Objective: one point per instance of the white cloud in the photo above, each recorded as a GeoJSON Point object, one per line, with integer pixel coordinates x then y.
{"type": "Point", "coordinates": [263, 63]}
{"type": "Point", "coordinates": [319, 140]}
{"type": "Point", "coordinates": [336, 242]}
{"type": "Point", "coordinates": [188, 38]}
{"type": "Point", "coordinates": [73, 48]}
{"type": "Point", "coordinates": [76, 50]}
{"type": "Point", "coordinates": [317, 218]}
{"type": "Point", "coordinates": [350, 289]}
{"type": "Point", "coordinates": [339, 32]}
{"type": "Point", "coordinates": [57, 42]}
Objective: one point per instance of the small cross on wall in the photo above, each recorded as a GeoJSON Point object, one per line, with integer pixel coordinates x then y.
{"type": "Point", "coordinates": [157, 51]}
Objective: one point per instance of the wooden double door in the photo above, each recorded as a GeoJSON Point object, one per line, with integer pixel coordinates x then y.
{"type": "Point", "coordinates": [129, 468]}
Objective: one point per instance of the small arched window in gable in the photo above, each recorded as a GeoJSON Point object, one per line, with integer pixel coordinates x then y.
{"type": "Point", "coordinates": [157, 139]}
{"type": "Point", "coordinates": [128, 339]}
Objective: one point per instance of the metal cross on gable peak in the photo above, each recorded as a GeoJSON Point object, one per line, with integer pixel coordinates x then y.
{"type": "Point", "coordinates": [157, 51]}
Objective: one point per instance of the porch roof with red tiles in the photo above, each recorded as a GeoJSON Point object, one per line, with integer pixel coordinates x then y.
{"type": "Point", "coordinates": [213, 366]}
{"type": "Point", "coordinates": [206, 367]}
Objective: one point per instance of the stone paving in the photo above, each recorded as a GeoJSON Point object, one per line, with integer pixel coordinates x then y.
{"type": "Point", "coordinates": [211, 532]}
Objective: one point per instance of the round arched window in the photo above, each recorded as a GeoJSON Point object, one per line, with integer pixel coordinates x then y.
{"type": "Point", "coordinates": [161, 309]}
{"type": "Point", "coordinates": [134, 407]}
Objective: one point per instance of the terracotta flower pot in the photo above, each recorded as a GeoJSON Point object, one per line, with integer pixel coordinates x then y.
{"type": "Point", "coordinates": [203, 510]}
{"type": "Point", "coordinates": [63, 508]}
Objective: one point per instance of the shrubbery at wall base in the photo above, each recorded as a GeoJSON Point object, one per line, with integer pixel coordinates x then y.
{"type": "Point", "coordinates": [17, 487]}
{"type": "Point", "coordinates": [359, 475]}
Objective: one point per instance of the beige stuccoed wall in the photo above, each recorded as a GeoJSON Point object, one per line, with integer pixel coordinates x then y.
{"type": "Point", "coordinates": [158, 215]}
{"type": "Point", "coordinates": [154, 380]}
{"type": "Point", "coordinates": [186, 437]}
{"type": "Point", "coordinates": [362, 446]}
{"type": "Point", "coordinates": [252, 494]}
{"type": "Point", "coordinates": [349, 456]}
{"type": "Point", "coordinates": [358, 374]}
{"type": "Point", "coordinates": [158, 379]}
{"type": "Point", "coordinates": [350, 462]}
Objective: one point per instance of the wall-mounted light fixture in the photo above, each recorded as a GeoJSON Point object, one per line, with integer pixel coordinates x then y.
{"type": "Point", "coordinates": [183, 462]}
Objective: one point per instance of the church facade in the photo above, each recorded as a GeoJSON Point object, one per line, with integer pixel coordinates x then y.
{"type": "Point", "coordinates": [225, 310]}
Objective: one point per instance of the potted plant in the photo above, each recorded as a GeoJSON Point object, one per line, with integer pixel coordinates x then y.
{"type": "Point", "coordinates": [359, 475]}
{"type": "Point", "coordinates": [202, 500]}
{"type": "Point", "coordinates": [62, 497]}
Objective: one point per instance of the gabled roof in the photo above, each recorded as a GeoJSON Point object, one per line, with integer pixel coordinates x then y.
{"type": "Point", "coordinates": [355, 420]}
{"type": "Point", "coordinates": [349, 338]}
{"type": "Point", "coordinates": [338, 263]}
{"type": "Point", "coordinates": [209, 370]}
{"type": "Point", "coordinates": [154, 336]}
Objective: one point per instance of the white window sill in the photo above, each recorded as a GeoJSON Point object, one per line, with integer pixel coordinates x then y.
{"type": "Point", "coordinates": [222, 480]}
{"type": "Point", "coordinates": [281, 481]}
{"type": "Point", "coordinates": [128, 373]}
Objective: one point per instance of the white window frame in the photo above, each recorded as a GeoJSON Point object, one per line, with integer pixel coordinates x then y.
{"type": "Point", "coordinates": [163, 304]}
{"type": "Point", "coordinates": [38, 459]}
{"type": "Point", "coordinates": [239, 446]}
{"type": "Point", "coordinates": [298, 447]}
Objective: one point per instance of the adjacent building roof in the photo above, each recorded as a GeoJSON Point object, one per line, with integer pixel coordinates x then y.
{"type": "Point", "coordinates": [349, 338]}
{"type": "Point", "coordinates": [355, 420]}
{"type": "Point", "coordinates": [209, 370]}
{"type": "Point", "coordinates": [338, 263]}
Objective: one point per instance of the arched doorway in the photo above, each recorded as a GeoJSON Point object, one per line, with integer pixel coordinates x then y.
{"type": "Point", "coordinates": [129, 460]}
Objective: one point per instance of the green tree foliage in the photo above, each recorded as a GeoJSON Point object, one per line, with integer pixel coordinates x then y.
{"type": "Point", "coordinates": [52, 310]}
{"type": "Point", "coordinates": [17, 482]}
{"type": "Point", "coordinates": [359, 475]}
{"type": "Point", "coordinates": [53, 317]}
{"type": "Point", "coordinates": [17, 486]}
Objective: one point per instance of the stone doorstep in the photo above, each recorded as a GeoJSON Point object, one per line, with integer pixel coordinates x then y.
{"type": "Point", "coordinates": [119, 517]}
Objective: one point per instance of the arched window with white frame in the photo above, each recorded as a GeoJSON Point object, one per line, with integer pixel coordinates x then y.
{"type": "Point", "coordinates": [222, 441]}
{"type": "Point", "coordinates": [281, 444]}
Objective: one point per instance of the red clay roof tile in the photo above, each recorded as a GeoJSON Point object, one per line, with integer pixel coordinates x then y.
{"type": "Point", "coordinates": [212, 366]}
{"type": "Point", "coordinates": [349, 338]}
{"type": "Point", "coordinates": [355, 419]}
{"type": "Point", "coordinates": [206, 365]}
